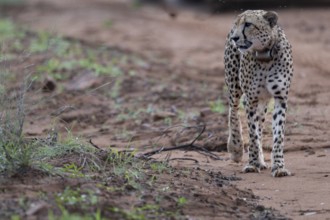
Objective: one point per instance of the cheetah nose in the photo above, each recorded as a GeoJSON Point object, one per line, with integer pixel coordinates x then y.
{"type": "Point", "coordinates": [235, 39]}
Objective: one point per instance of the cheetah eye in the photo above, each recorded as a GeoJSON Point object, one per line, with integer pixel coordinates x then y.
{"type": "Point", "coordinates": [248, 24]}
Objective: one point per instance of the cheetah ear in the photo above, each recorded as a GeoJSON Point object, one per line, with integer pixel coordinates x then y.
{"type": "Point", "coordinates": [271, 17]}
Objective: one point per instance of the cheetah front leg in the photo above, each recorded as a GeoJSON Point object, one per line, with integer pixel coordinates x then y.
{"type": "Point", "coordinates": [255, 115]}
{"type": "Point", "coordinates": [278, 169]}
{"type": "Point", "coordinates": [262, 110]}
{"type": "Point", "coordinates": [235, 140]}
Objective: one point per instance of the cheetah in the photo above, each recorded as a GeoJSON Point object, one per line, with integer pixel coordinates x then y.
{"type": "Point", "coordinates": [258, 67]}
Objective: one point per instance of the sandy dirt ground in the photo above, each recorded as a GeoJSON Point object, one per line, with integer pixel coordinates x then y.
{"type": "Point", "coordinates": [189, 74]}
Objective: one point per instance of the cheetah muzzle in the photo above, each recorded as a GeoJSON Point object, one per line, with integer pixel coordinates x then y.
{"type": "Point", "coordinates": [258, 67]}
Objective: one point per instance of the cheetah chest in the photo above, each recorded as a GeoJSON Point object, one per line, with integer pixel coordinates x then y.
{"type": "Point", "coordinates": [253, 79]}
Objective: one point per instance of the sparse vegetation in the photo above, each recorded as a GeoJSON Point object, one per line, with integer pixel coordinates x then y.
{"type": "Point", "coordinates": [76, 197]}
{"type": "Point", "coordinates": [41, 43]}
{"type": "Point", "coordinates": [217, 106]}
{"type": "Point", "coordinates": [15, 152]}
{"type": "Point", "coordinates": [8, 30]}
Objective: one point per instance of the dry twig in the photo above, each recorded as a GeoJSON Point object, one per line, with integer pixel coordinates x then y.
{"type": "Point", "coordinates": [191, 146]}
{"type": "Point", "coordinates": [94, 145]}
{"type": "Point", "coordinates": [184, 158]}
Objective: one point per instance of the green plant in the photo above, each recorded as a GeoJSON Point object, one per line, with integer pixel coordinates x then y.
{"type": "Point", "coordinates": [74, 50]}
{"type": "Point", "coordinates": [15, 217]}
{"type": "Point", "coordinates": [54, 66]}
{"type": "Point", "coordinates": [130, 114]}
{"type": "Point", "coordinates": [98, 215]}
{"type": "Point", "coordinates": [159, 167]}
{"type": "Point", "coordinates": [15, 152]}
{"type": "Point", "coordinates": [73, 170]}
{"type": "Point", "coordinates": [71, 197]}
{"type": "Point", "coordinates": [15, 157]}
{"type": "Point", "coordinates": [18, 45]}
{"type": "Point", "coordinates": [99, 69]}
{"type": "Point", "coordinates": [70, 145]}
{"type": "Point", "coordinates": [126, 167]}
{"type": "Point", "coordinates": [66, 215]}
{"type": "Point", "coordinates": [8, 30]}
{"type": "Point", "coordinates": [217, 106]}
{"type": "Point", "coordinates": [50, 66]}
{"type": "Point", "coordinates": [127, 214]}
{"type": "Point", "coordinates": [41, 43]}
{"type": "Point", "coordinates": [147, 211]}
{"type": "Point", "coordinates": [182, 116]}
{"type": "Point", "coordinates": [168, 121]}
{"type": "Point", "coordinates": [62, 47]}
{"type": "Point", "coordinates": [115, 90]}
{"type": "Point", "coordinates": [152, 180]}
{"type": "Point", "coordinates": [181, 201]}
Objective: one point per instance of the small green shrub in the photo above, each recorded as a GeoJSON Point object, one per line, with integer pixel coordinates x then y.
{"type": "Point", "coordinates": [217, 106]}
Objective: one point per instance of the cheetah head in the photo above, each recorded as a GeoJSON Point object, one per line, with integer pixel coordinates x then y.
{"type": "Point", "coordinates": [254, 30]}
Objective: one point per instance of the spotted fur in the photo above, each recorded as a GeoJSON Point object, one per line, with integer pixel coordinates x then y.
{"type": "Point", "coordinates": [258, 66]}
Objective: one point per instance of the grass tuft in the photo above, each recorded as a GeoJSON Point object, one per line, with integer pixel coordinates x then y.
{"type": "Point", "coordinates": [217, 106]}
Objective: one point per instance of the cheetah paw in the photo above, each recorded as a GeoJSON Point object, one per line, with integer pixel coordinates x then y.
{"type": "Point", "coordinates": [251, 169]}
{"type": "Point", "coordinates": [236, 157]}
{"type": "Point", "coordinates": [280, 172]}
{"type": "Point", "coordinates": [263, 166]}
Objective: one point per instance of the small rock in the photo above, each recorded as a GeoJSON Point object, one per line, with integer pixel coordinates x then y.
{"type": "Point", "coordinates": [83, 81]}
{"type": "Point", "coordinates": [159, 115]}
{"type": "Point", "coordinates": [205, 112]}
{"type": "Point", "coordinates": [49, 85]}
{"type": "Point", "coordinates": [260, 208]}
{"type": "Point", "coordinates": [36, 207]}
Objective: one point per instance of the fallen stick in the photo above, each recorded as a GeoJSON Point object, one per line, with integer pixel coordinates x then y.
{"type": "Point", "coordinates": [184, 158]}
{"type": "Point", "coordinates": [94, 145]}
{"type": "Point", "coordinates": [191, 145]}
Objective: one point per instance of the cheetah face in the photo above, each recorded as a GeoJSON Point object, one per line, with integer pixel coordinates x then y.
{"type": "Point", "coordinates": [254, 30]}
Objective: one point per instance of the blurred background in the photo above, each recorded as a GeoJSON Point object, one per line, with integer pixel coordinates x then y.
{"type": "Point", "coordinates": [223, 5]}
{"type": "Point", "coordinates": [180, 31]}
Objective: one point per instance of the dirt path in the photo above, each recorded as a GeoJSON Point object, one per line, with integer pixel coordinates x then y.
{"type": "Point", "coordinates": [190, 48]}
